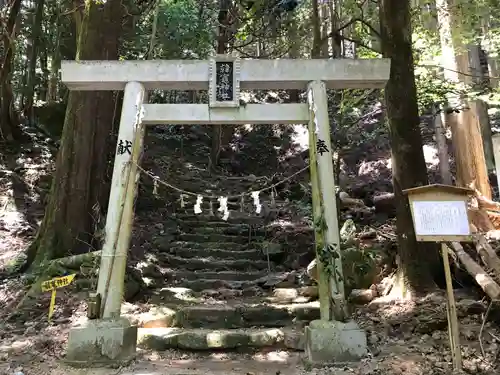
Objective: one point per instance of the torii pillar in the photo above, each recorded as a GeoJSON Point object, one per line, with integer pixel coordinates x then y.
{"type": "Point", "coordinates": [111, 337]}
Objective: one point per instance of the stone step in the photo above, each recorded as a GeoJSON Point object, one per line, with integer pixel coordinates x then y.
{"type": "Point", "coordinates": [239, 230]}
{"type": "Point", "coordinates": [213, 264]}
{"type": "Point", "coordinates": [206, 178]}
{"type": "Point", "coordinates": [165, 246]}
{"type": "Point", "coordinates": [220, 314]}
{"type": "Point", "coordinates": [226, 308]}
{"type": "Point", "coordinates": [219, 238]}
{"type": "Point", "coordinates": [175, 275]}
{"type": "Point", "coordinates": [201, 284]}
{"type": "Point", "coordinates": [233, 219]}
{"type": "Point", "coordinates": [160, 339]}
{"type": "Point", "coordinates": [217, 253]}
{"type": "Point", "coordinates": [245, 281]}
{"type": "Point", "coordinates": [244, 315]}
{"type": "Point", "coordinates": [212, 224]}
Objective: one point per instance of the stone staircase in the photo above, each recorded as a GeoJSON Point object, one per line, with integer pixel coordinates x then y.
{"type": "Point", "coordinates": [223, 291]}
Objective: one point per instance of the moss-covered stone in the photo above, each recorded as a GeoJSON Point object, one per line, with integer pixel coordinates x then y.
{"type": "Point", "coordinates": [205, 339]}
{"type": "Point", "coordinates": [210, 263]}
{"type": "Point", "coordinates": [218, 238]}
{"type": "Point", "coordinates": [244, 316]}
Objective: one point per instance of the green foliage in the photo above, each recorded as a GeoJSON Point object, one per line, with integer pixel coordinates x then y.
{"type": "Point", "coordinates": [184, 31]}
{"type": "Point", "coordinates": [360, 267]}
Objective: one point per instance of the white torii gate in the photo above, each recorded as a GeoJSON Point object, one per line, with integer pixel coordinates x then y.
{"type": "Point", "coordinates": [112, 336]}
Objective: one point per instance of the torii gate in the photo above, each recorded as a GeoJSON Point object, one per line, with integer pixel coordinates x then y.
{"type": "Point", "coordinates": [111, 337]}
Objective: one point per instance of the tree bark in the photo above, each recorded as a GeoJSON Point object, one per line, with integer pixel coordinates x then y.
{"type": "Point", "coordinates": [80, 187]}
{"type": "Point", "coordinates": [9, 119]}
{"type": "Point", "coordinates": [55, 62]}
{"type": "Point", "coordinates": [467, 133]}
{"type": "Point", "coordinates": [480, 81]}
{"type": "Point", "coordinates": [36, 32]}
{"type": "Point", "coordinates": [442, 148]}
{"type": "Point", "coordinates": [408, 164]}
{"type": "Point", "coordinates": [316, 31]}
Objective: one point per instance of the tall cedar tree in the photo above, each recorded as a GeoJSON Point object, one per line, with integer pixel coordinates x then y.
{"type": "Point", "coordinates": [9, 118]}
{"type": "Point", "coordinates": [80, 186]}
{"type": "Point", "coordinates": [416, 260]}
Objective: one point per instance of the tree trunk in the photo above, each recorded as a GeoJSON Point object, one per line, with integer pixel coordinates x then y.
{"type": "Point", "coordinates": [79, 192]}
{"type": "Point", "coordinates": [55, 65]}
{"type": "Point", "coordinates": [55, 62]}
{"type": "Point", "coordinates": [465, 126]}
{"type": "Point", "coordinates": [325, 22]}
{"type": "Point", "coordinates": [9, 120]}
{"type": "Point", "coordinates": [36, 32]}
{"type": "Point", "coordinates": [44, 67]}
{"type": "Point", "coordinates": [408, 164]}
{"type": "Point", "coordinates": [317, 42]}
{"type": "Point", "coordinates": [442, 148]}
{"type": "Point", "coordinates": [479, 69]}
{"type": "Point", "coordinates": [337, 43]}
{"type": "Point", "coordinates": [294, 42]}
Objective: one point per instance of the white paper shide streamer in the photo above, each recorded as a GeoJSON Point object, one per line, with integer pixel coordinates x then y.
{"type": "Point", "coordinates": [197, 206]}
{"type": "Point", "coordinates": [155, 186]}
{"type": "Point", "coordinates": [223, 208]}
{"type": "Point", "coordinates": [256, 201]}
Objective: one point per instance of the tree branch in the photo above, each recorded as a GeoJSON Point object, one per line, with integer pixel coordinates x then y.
{"type": "Point", "coordinates": [338, 34]}
{"type": "Point", "coordinates": [359, 43]}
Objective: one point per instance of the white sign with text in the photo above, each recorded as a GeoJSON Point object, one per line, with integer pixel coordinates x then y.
{"type": "Point", "coordinates": [440, 218]}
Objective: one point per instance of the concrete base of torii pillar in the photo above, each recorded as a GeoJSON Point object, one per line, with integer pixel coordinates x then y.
{"type": "Point", "coordinates": [101, 342]}
{"type": "Point", "coordinates": [329, 342]}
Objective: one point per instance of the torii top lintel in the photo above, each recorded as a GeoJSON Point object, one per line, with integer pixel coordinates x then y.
{"type": "Point", "coordinates": [289, 74]}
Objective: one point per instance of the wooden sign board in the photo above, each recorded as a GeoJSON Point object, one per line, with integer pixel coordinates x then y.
{"type": "Point", "coordinates": [52, 285]}
{"type": "Point", "coordinates": [57, 282]}
{"type": "Point", "coordinates": [439, 213]}
{"type": "Point", "coordinates": [224, 81]}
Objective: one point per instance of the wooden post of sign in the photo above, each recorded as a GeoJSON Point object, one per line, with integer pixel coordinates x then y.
{"type": "Point", "coordinates": [439, 214]}
{"type": "Point", "coordinates": [52, 304]}
{"type": "Point", "coordinates": [451, 312]}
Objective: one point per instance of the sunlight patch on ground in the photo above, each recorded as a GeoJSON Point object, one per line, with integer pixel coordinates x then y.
{"type": "Point", "coordinates": [274, 356]}
{"type": "Point", "coordinates": [430, 156]}
{"type": "Point", "coordinates": [16, 346]}
{"type": "Point", "coordinates": [78, 321]}
{"type": "Point", "coordinates": [282, 223]}
{"type": "Point", "coordinates": [148, 281]}
{"type": "Point", "coordinates": [11, 216]}
{"type": "Point", "coordinates": [179, 293]}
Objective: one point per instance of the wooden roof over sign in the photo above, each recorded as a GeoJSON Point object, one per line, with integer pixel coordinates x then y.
{"type": "Point", "coordinates": [439, 188]}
